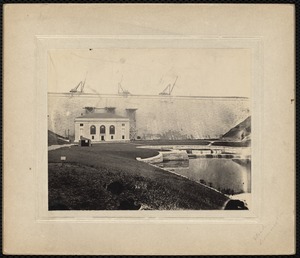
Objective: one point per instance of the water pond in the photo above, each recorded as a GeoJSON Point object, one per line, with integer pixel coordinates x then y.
{"type": "Point", "coordinates": [226, 175]}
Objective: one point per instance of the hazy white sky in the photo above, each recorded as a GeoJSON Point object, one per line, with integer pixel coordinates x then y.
{"type": "Point", "coordinates": [201, 72]}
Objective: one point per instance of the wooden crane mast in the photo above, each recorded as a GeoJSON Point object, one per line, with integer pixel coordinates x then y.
{"type": "Point", "coordinates": [168, 90]}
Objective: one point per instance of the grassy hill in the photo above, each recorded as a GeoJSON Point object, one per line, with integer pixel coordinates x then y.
{"type": "Point", "coordinates": [108, 177]}
{"type": "Point", "coordinates": [241, 132]}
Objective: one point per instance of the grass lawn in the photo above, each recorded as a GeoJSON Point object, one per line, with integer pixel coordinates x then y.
{"type": "Point", "coordinates": [108, 177]}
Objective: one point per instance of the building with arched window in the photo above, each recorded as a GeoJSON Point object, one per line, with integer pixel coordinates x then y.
{"type": "Point", "coordinates": [92, 129]}
{"type": "Point", "coordinates": [102, 127]}
{"type": "Point", "coordinates": [112, 129]}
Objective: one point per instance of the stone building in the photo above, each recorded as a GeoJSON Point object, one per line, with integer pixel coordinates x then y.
{"type": "Point", "coordinates": [100, 127]}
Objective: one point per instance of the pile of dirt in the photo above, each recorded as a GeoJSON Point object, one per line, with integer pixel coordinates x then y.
{"type": "Point", "coordinates": [56, 139]}
{"type": "Point", "coordinates": [241, 132]}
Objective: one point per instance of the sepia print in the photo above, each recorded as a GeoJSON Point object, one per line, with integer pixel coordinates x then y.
{"type": "Point", "coordinates": [149, 129]}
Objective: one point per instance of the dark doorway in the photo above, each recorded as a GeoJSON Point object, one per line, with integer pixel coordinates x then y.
{"type": "Point", "coordinates": [102, 137]}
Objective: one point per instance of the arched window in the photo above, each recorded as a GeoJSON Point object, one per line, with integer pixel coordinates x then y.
{"type": "Point", "coordinates": [112, 129]}
{"type": "Point", "coordinates": [93, 129]}
{"type": "Point", "coordinates": [102, 129]}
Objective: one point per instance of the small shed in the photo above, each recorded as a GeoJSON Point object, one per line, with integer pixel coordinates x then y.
{"type": "Point", "coordinates": [84, 142]}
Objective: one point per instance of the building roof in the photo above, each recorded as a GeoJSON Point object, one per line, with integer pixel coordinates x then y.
{"type": "Point", "coordinates": [101, 116]}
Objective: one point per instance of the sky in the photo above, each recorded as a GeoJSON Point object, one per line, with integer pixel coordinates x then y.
{"type": "Point", "coordinates": [199, 72]}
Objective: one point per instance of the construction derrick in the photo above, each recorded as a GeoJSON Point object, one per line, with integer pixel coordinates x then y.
{"type": "Point", "coordinates": [81, 84]}
{"type": "Point", "coordinates": [122, 91]}
{"type": "Point", "coordinates": [168, 90]}
{"type": "Point", "coordinates": [75, 89]}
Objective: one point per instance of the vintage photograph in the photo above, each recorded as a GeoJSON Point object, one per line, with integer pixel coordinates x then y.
{"type": "Point", "coordinates": [149, 129]}
{"type": "Point", "coordinates": [145, 129]}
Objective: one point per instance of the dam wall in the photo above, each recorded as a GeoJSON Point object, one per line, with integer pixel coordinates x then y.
{"type": "Point", "coordinates": [156, 117]}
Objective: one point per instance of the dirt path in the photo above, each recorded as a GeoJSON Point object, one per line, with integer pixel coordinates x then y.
{"type": "Point", "coordinates": [55, 147]}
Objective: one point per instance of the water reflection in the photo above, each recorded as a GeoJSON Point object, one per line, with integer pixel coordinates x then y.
{"type": "Point", "coordinates": [176, 164]}
{"type": "Point", "coordinates": [226, 175]}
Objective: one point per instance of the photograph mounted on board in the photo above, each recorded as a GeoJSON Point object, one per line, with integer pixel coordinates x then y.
{"type": "Point", "coordinates": [149, 129]}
